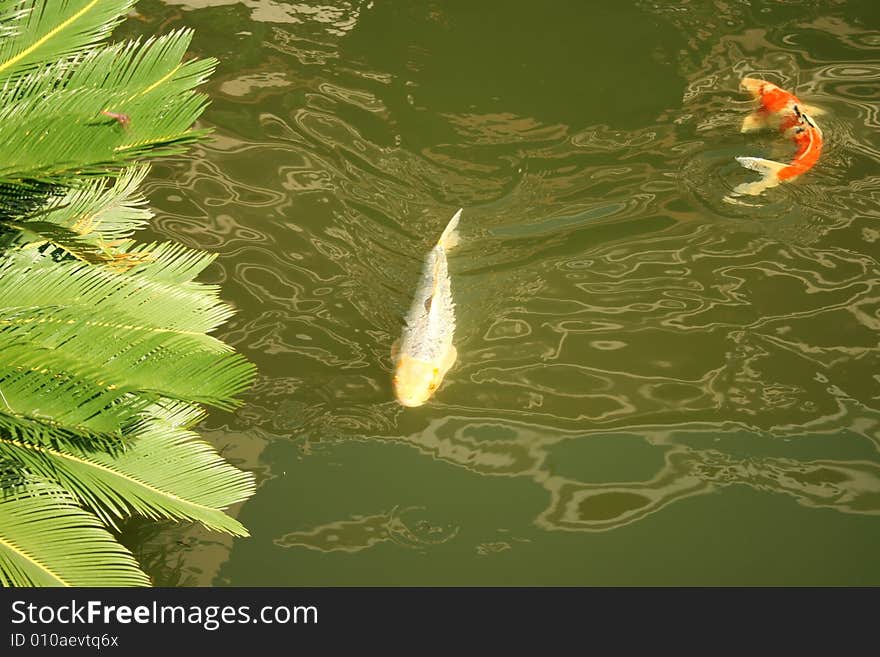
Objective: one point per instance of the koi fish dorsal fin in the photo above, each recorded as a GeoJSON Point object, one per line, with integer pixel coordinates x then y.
{"type": "Point", "coordinates": [449, 238]}
{"type": "Point", "coordinates": [769, 171]}
{"type": "Point", "coordinates": [754, 86]}
{"type": "Point", "coordinates": [754, 121]}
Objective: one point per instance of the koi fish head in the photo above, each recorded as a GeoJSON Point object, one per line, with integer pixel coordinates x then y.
{"type": "Point", "coordinates": [803, 131]}
{"type": "Point", "coordinates": [806, 128]}
{"type": "Point", "coordinates": [415, 381]}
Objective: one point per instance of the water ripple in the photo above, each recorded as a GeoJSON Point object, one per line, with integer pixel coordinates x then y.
{"type": "Point", "coordinates": [605, 288]}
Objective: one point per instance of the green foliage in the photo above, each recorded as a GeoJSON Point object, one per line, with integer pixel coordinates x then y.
{"type": "Point", "coordinates": [49, 540]}
{"type": "Point", "coordinates": [58, 102]}
{"type": "Point", "coordinates": [105, 352]}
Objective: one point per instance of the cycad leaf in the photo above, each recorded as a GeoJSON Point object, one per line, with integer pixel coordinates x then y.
{"type": "Point", "coordinates": [84, 350]}
{"type": "Point", "coordinates": [46, 232]}
{"type": "Point", "coordinates": [129, 357]}
{"type": "Point", "coordinates": [48, 397]}
{"type": "Point", "coordinates": [28, 282]}
{"type": "Point", "coordinates": [97, 212]}
{"type": "Point", "coordinates": [96, 113]}
{"type": "Point", "coordinates": [48, 30]}
{"type": "Point", "coordinates": [46, 539]}
{"type": "Point", "coordinates": [171, 263]}
{"type": "Point", "coordinates": [92, 221]}
{"type": "Point", "coordinates": [104, 352]}
{"type": "Point", "coordinates": [162, 473]}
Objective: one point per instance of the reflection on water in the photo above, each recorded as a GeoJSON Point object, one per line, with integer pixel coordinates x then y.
{"type": "Point", "coordinates": [613, 309]}
{"type": "Point", "coordinates": [362, 532]}
{"type": "Point", "coordinates": [850, 487]}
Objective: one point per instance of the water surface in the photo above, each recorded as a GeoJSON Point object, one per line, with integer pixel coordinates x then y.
{"type": "Point", "coordinates": [654, 385]}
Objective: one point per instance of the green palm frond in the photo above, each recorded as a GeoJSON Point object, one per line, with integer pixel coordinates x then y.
{"type": "Point", "coordinates": [41, 233]}
{"type": "Point", "coordinates": [176, 414]}
{"type": "Point", "coordinates": [170, 263]}
{"type": "Point", "coordinates": [92, 222]}
{"type": "Point", "coordinates": [93, 214]}
{"type": "Point", "coordinates": [163, 473]}
{"type": "Point", "coordinates": [110, 297]}
{"type": "Point", "coordinates": [105, 352]}
{"type": "Point", "coordinates": [129, 356]}
{"type": "Point", "coordinates": [47, 539]}
{"type": "Point", "coordinates": [83, 350]}
{"type": "Point", "coordinates": [95, 112]}
{"type": "Point", "coordinates": [46, 32]}
{"type": "Point", "coordinates": [42, 401]}
{"type": "Point", "coordinates": [25, 198]}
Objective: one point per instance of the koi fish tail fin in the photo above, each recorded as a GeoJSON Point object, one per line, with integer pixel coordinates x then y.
{"type": "Point", "coordinates": [754, 121]}
{"type": "Point", "coordinates": [769, 171]}
{"type": "Point", "coordinates": [449, 238]}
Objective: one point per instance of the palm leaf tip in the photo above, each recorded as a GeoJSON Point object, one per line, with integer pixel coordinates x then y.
{"type": "Point", "coordinates": [45, 31]}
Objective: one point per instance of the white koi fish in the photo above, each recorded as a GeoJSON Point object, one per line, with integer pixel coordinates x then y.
{"type": "Point", "coordinates": [424, 352]}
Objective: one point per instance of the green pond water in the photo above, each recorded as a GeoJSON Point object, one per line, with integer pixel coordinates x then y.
{"type": "Point", "coordinates": [655, 385]}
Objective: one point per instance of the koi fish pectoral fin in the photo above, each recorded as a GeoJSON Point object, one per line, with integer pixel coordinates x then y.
{"type": "Point", "coordinates": [761, 165]}
{"type": "Point", "coordinates": [448, 361]}
{"type": "Point", "coordinates": [395, 350]}
{"type": "Point", "coordinates": [769, 171]}
{"type": "Point", "coordinates": [754, 188]}
{"type": "Point", "coordinates": [754, 121]}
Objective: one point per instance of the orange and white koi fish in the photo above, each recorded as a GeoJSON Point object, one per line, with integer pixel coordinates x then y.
{"type": "Point", "coordinates": [785, 112]}
{"type": "Point", "coordinates": [424, 352]}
